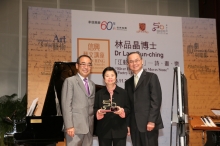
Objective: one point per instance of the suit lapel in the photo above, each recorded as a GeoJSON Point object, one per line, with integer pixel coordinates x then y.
{"type": "Point", "coordinates": [141, 79]}
{"type": "Point", "coordinates": [132, 83]}
{"type": "Point", "coordinates": [90, 87]}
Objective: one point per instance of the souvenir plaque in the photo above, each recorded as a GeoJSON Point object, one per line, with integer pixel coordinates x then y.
{"type": "Point", "coordinates": [109, 106]}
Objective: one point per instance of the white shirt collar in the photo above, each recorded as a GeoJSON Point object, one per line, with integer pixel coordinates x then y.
{"type": "Point", "coordinates": [140, 72]}
{"type": "Point", "coordinates": [82, 78]}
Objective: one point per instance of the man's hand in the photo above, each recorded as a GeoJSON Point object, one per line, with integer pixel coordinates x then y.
{"type": "Point", "coordinates": [128, 131]}
{"type": "Point", "coordinates": [150, 126]}
{"type": "Point", "coordinates": [70, 132]}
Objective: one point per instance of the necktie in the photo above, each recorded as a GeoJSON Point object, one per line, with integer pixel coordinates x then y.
{"type": "Point", "coordinates": [135, 80]}
{"type": "Point", "coordinates": [86, 85]}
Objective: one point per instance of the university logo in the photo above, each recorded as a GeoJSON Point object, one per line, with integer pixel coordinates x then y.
{"type": "Point", "coordinates": [142, 28]}
{"type": "Point", "coordinates": [159, 28]}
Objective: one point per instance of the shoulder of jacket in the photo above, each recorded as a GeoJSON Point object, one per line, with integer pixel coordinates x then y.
{"type": "Point", "coordinates": [149, 73]}
{"type": "Point", "coordinates": [120, 88]}
{"type": "Point", "coordinates": [128, 79]}
{"type": "Point", "coordinates": [101, 91]}
{"type": "Point", "coordinates": [91, 81]}
{"type": "Point", "coordinates": [71, 78]}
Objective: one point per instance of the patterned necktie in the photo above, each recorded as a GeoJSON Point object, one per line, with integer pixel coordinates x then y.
{"type": "Point", "coordinates": [135, 80]}
{"type": "Point", "coordinates": [86, 85]}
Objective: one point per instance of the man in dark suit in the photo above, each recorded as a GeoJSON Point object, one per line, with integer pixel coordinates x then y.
{"type": "Point", "coordinates": [78, 94]}
{"type": "Point", "coordinates": [145, 96]}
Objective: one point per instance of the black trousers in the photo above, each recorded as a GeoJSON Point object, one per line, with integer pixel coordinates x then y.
{"type": "Point", "coordinates": [115, 141]}
{"type": "Point", "coordinates": [148, 138]}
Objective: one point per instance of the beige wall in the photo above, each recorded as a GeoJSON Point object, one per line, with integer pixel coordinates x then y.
{"type": "Point", "coordinates": [201, 70]}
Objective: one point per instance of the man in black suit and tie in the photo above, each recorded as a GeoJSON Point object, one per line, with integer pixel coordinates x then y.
{"type": "Point", "coordinates": [145, 96]}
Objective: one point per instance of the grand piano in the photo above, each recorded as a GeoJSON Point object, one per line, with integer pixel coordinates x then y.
{"type": "Point", "coordinates": [47, 129]}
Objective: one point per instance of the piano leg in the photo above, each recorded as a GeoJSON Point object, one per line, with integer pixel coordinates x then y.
{"type": "Point", "coordinates": [213, 138]}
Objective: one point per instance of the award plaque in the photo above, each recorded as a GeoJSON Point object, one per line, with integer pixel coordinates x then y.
{"type": "Point", "coordinates": [109, 106]}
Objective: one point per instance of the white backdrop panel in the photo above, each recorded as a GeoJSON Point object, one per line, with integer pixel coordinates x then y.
{"type": "Point", "coordinates": [160, 41]}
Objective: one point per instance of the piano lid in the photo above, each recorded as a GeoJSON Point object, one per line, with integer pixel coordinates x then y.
{"type": "Point", "coordinates": [61, 70]}
{"type": "Point", "coordinates": [37, 127]}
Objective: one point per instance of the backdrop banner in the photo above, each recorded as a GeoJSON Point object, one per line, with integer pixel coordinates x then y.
{"type": "Point", "coordinates": [109, 37]}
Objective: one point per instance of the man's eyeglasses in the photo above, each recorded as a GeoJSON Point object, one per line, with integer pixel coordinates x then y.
{"type": "Point", "coordinates": [134, 61]}
{"type": "Point", "coordinates": [84, 65]}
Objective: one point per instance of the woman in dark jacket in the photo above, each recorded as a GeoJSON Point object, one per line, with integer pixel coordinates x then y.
{"type": "Point", "coordinates": [111, 108]}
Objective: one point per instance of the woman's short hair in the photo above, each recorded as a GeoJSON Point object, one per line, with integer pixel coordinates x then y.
{"type": "Point", "coordinates": [109, 69]}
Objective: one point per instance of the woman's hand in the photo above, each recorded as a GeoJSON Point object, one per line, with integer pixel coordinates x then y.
{"type": "Point", "coordinates": [120, 112]}
{"type": "Point", "coordinates": [100, 114]}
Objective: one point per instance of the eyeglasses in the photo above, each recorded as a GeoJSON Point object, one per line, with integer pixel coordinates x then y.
{"type": "Point", "coordinates": [84, 65]}
{"type": "Point", "coordinates": [134, 61]}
